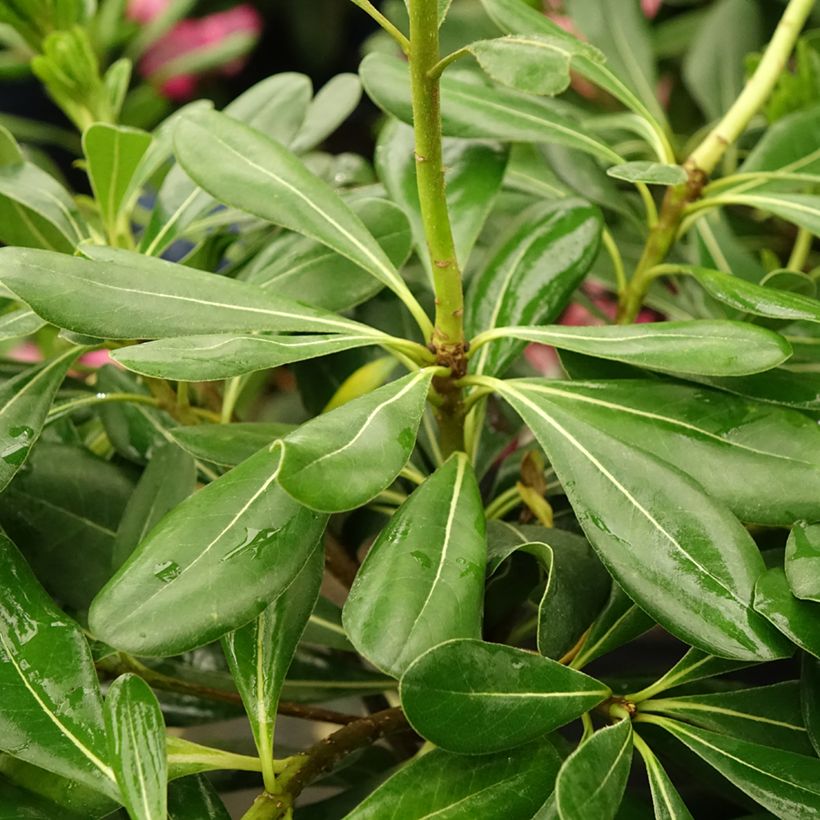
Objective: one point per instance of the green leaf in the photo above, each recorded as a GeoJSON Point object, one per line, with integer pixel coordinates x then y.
{"type": "Point", "coordinates": [803, 561]}
{"type": "Point", "coordinates": [113, 154]}
{"type": "Point", "coordinates": [329, 109]}
{"type": "Point", "coordinates": [666, 801]}
{"type": "Point", "coordinates": [167, 481]}
{"type": "Point", "coordinates": [345, 458]}
{"type": "Point", "coordinates": [237, 544]}
{"type": "Point", "coordinates": [260, 653]}
{"type": "Point", "coordinates": [19, 322]}
{"type": "Point", "coordinates": [194, 798]}
{"type": "Point", "coordinates": [307, 271]}
{"type": "Point", "coordinates": [800, 209]}
{"type": "Point", "coordinates": [324, 627]}
{"type": "Point", "coordinates": [539, 262]}
{"type": "Point", "coordinates": [36, 210]}
{"type": "Point", "coordinates": [318, 677]}
{"type": "Point", "coordinates": [786, 783]}
{"type": "Point", "coordinates": [778, 386]}
{"type": "Point", "coordinates": [136, 297]}
{"type": "Point", "coordinates": [507, 786]}
{"type": "Point", "coordinates": [228, 444]}
{"type": "Point", "coordinates": [714, 70]}
{"type": "Point", "coordinates": [798, 620]}
{"type": "Point", "coordinates": [577, 584]}
{"type": "Point", "coordinates": [701, 347]}
{"type": "Point", "coordinates": [187, 758]}
{"type": "Point", "coordinates": [652, 173]}
{"type": "Point", "coordinates": [52, 711]}
{"type": "Point", "coordinates": [620, 622]}
{"type": "Point", "coordinates": [810, 698]}
{"type": "Point", "coordinates": [244, 169]}
{"type": "Point", "coordinates": [651, 523]}
{"type": "Point", "coordinates": [63, 511]}
{"type": "Point", "coordinates": [592, 780]}
{"type": "Point", "coordinates": [517, 17]}
{"type": "Point", "coordinates": [788, 145]}
{"type": "Point", "coordinates": [223, 356]}
{"type": "Point", "coordinates": [533, 63]}
{"type": "Point", "coordinates": [471, 697]}
{"type": "Point", "coordinates": [769, 715]}
{"type": "Point", "coordinates": [763, 462]}
{"type": "Point", "coordinates": [423, 580]}
{"type": "Point", "coordinates": [474, 172]}
{"type": "Point", "coordinates": [620, 30]}
{"type": "Point", "coordinates": [25, 400]}
{"type": "Point", "coordinates": [756, 299]}
{"type": "Point", "coordinates": [474, 111]}
{"type": "Point", "coordinates": [136, 743]}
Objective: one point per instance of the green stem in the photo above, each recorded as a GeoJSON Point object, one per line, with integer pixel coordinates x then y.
{"type": "Point", "coordinates": [801, 250]}
{"type": "Point", "coordinates": [705, 158]}
{"type": "Point", "coordinates": [58, 411]}
{"type": "Point", "coordinates": [370, 9]}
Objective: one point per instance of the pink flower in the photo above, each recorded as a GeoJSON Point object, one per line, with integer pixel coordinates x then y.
{"type": "Point", "coordinates": [200, 34]}
{"type": "Point", "coordinates": [143, 11]}
{"type": "Point", "coordinates": [651, 8]}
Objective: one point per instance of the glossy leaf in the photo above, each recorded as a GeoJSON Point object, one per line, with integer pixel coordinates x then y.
{"type": "Point", "coordinates": [136, 742]}
{"type": "Point", "coordinates": [423, 580]}
{"type": "Point", "coordinates": [650, 523]}
{"type": "Point", "coordinates": [25, 400]}
{"type": "Point", "coordinates": [474, 111]}
{"type": "Point", "coordinates": [666, 801]}
{"type": "Point", "coordinates": [471, 697]}
{"type": "Point", "coordinates": [762, 461]}
{"type": "Point", "coordinates": [577, 584]}
{"type": "Point", "coordinates": [534, 63]}
{"type": "Point", "coordinates": [167, 481]}
{"type": "Point", "coordinates": [52, 711]}
{"type": "Point", "coordinates": [136, 297]}
{"type": "Point", "coordinates": [798, 620]}
{"type": "Point", "coordinates": [810, 698]}
{"type": "Point", "coordinates": [769, 715]}
{"type": "Point", "coordinates": [237, 544]}
{"type": "Point", "coordinates": [620, 622]}
{"type": "Point", "coordinates": [228, 444]}
{"type": "Point", "coordinates": [210, 358]}
{"type": "Point", "coordinates": [786, 783]}
{"type": "Point", "coordinates": [345, 458]}
{"type": "Point", "coordinates": [63, 510]}
{"type": "Point", "coordinates": [778, 386]}
{"type": "Point", "coordinates": [701, 347]}
{"type": "Point", "coordinates": [803, 561]}
{"type": "Point", "coordinates": [693, 666]}
{"type": "Point", "coordinates": [264, 178]}
{"type": "Point", "coordinates": [531, 275]}
{"type": "Point", "coordinates": [652, 173]}
{"type": "Point", "coordinates": [300, 268]}
{"type": "Point", "coordinates": [194, 798]}
{"type": "Point", "coordinates": [260, 653]}
{"type": "Point", "coordinates": [113, 154]}
{"type": "Point", "coordinates": [756, 299]}
{"type": "Point", "coordinates": [474, 172]}
{"type": "Point", "coordinates": [592, 780]}
{"type": "Point", "coordinates": [506, 786]}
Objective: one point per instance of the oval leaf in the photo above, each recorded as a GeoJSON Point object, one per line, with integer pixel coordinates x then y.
{"type": "Point", "coordinates": [52, 712]}
{"type": "Point", "coordinates": [136, 740]}
{"type": "Point", "coordinates": [210, 358]}
{"type": "Point", "coordinates": [798, 620]}
{"type": "Point", "coordinates": [529, 279]}
{"type": "Point", "coordinates": [700, 347]}
{"type": "Point", "coordinates": [592, 780]}
{"type": "Point", "coordinates": [471, 697]}
{"type": "Point", "coordinates": [508, 786]}
{"type": "Point", "coordinates": [345, 458]}
{"type": "Point", "coordinates": [228, 444]}
{"type": "Point", "coordinates": [25, 400]}
{"type": "Point", "coordinates": [651, 523]}
{"type": "Point", "coordinates": [423, 579]}
{"type": "Point", "coordinates": [651, 173]}
{"type": "Point", "coordinates": [237, 544]}
{"type": "Point", "coordinates": [136, 297]}
{"type": "Point", "coordinates": [803, 561]}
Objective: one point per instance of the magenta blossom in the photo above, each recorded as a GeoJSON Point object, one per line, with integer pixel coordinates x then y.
{"type": "Point", "coordinates": [651, 8]}
{"type": "Point", "coordinates": [191, 36]}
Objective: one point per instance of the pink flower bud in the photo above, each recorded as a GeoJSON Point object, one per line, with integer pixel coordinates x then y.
{"type": "Point", "coordinates": [143, 11]}
{"type": "Point", "coordinates": [651, 8]}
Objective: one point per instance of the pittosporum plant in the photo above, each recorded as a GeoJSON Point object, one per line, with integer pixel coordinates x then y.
{"type": "Point", "coordinates": [318, 477]}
